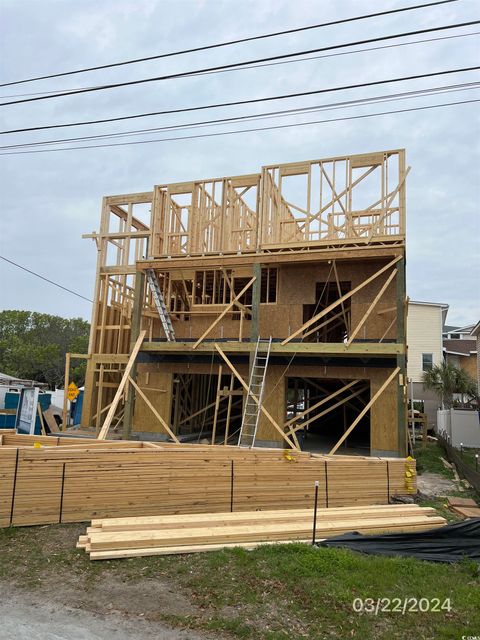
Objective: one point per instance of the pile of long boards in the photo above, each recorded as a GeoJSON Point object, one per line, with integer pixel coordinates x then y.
{"type": "Point", "coordinates": [107, 539]}
{"type": "Point", "coordinates": [45, 480]}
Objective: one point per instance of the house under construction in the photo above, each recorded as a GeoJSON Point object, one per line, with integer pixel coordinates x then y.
{"type": "Point", "coordinates": [262, 310]}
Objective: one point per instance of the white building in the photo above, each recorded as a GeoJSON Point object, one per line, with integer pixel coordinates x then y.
{"type": "Point", "coordinates": [425, 326]}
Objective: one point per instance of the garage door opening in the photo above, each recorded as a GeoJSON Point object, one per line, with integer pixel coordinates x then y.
{"type": "Point", "coordinates": [320, 410]}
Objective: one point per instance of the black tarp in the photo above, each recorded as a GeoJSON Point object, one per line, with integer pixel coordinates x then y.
{"type": "Point", "coordinates": [450, 543]}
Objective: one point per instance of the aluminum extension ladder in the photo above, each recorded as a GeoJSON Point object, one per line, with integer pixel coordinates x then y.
{"type": "Point", "coordinates": [160, 304]}
{"type": "Point", "coordinates": [251, 412]}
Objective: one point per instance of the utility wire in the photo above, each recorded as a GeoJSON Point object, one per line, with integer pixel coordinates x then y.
{"type": "Point", "coordinates": [241, 102]}
{"type": "Point", "coordinates": [274, 64]}
{"type": "Point", "coordinates": [46, 279]}
{"type": "Point", "coordinates": [393, 97]}
{"type": "Point", "coordinates": [230, 42]}
{"type": "Point", "coordinates": [235, 65]}
{"type": "Point", "coordinates": [252, 130]}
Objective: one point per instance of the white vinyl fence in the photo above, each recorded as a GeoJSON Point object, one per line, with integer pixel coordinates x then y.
{"type": "Point", "coordinates": [459, 426]}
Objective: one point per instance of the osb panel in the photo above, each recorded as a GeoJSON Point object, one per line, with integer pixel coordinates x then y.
{"type": "Point", "coordinates": [383, 414]}
{"type": "Point", "coordinates": [274, 403]}
{"type": "Point", "coordinates": [297, 283]}
{"type": "Point", "coordinates": [157, 386]}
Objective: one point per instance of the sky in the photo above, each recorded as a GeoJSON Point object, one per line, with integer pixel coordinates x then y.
{"type": "Point", "coordinates": [48, 200]}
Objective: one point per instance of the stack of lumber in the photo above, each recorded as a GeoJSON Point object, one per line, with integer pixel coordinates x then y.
{"type": "Point", "coordinates": [49, 479]}
{"type": "Point", "coordinates": [163, 535]}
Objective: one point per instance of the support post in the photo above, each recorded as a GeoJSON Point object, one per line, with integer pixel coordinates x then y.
{"type": "Point", "coordinates": [229, 410]}
{"type": "Point", "coordinates": [65, 390]}
{"type": "Point", "coordinates": [254, 324]}
{"type": "Point", "coordinates": [138, 299]}
{"type": "Point", "coordinates": [217, 403]}
{"type": "Point", "coordinates": [402, 414]}
{"type": "Point", "coordinates": [256, 289]}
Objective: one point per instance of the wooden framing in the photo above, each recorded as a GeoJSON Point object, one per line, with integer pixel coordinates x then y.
{"type": "Point", "coordinates": [238, 257]}
{"type": "Point", "coordinates": [260, 406]}
{"type": "Point", "coordinates": [224, 312]}
{"type": "Point", "coordinates": [123, 382]}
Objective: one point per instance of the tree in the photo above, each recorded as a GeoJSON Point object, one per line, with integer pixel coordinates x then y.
{"type": "Point", "coordinates": [33, 346]}
{"type": "Point", "coordinates": [446, 380]}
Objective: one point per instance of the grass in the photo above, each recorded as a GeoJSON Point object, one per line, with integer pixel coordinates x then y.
{"type": "Point", "coordinates": [429, 460]}
{"type": "Point", "coordinates": [276, 592]}
{"type": "Point", "coordinates": [468, 456]}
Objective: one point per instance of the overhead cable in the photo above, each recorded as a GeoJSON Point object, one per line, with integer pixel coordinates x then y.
{"type": "Point", "coordinates": [230, 42]}
{"type": "Point", "coordinates": [234, 65]}
{"type": "Point", "coordinates": [393, 97]}
{"type": "Point", "coordinates": [34, 273]}
{"type": "Point", "coordinates": [242, 102]}
{"type": "Point", "coordinates": [252, 130]}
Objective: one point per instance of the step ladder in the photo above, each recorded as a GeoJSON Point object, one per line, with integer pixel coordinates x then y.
{"type": "Point", "coordinates": [160, 304]}
{"type": "Point", "coordinates": [251, 412]}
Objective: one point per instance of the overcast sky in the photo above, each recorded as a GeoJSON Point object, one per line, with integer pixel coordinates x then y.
{"type": "Point", "coordinates": [49, 199]}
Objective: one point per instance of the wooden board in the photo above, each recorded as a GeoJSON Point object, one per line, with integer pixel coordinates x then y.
{"type": "Point", "coordinates": [466, 512]}
{"type": "Point", "coordinates": [454, 501]}
{"type": "Point", "coordinates": [138, 536]}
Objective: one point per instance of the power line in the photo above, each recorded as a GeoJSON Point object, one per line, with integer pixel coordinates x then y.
{"type": "Point", "coordinates": [273, 64]}
{"type": "Point", "coordinates": [242, 102]}
{"type": "Point", "coordinates": [46, 279]}
{"type": "Point", "coordinates": [235, 65]}
{"type": "Point", "coordinates": [260, 116]}
{"type": "Point", "coordinates": [230, 42]}
{"type": "Point", "coordinates": [252, 130]}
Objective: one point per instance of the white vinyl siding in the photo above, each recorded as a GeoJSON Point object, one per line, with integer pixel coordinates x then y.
{"type": "Point", "coordinates": [424, 336]}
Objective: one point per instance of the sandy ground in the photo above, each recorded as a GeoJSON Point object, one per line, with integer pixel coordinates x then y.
{"type": "Point", "coordinates": [26, 616]}
{"type": "Point", "coordinates": [433, 485]}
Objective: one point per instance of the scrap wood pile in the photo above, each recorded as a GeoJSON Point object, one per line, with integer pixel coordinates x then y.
{"type": "Point", "coordinates": [49, 479]}
{"type": "Point", "coordinates": [464, 507]}
{"type": "Point", "coordinates": [163, 535]}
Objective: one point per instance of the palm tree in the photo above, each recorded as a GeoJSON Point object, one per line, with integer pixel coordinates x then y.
{"type": "Point", "coordinates": [446, 379]}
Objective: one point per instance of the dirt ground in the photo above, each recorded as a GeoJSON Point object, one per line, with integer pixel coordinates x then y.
{"type": "Point", "coordinates": [55, 603]}
{"type": "Point", "coordinates": [28, 616]}
{"type": "Point", "coordinates": [433, 485]}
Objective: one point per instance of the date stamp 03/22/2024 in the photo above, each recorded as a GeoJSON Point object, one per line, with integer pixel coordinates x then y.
{"type": "Point", "coordinates": [376, 606]}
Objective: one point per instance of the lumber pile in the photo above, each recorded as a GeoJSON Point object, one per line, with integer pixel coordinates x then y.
{"type": "Point", "coordinates": [107, 539]}
{"type": "Point", "coordinates": [464, 507]}
{"type": "Point", "coordinates": [46, 480]}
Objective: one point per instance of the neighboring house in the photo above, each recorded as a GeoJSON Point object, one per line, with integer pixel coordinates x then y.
{"type": "Point", "coordinates": [425, 327]}
{"type": "Point", "coordinates": [460, 348]}
{"type": "Point", "coordinates": [476, 333]}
